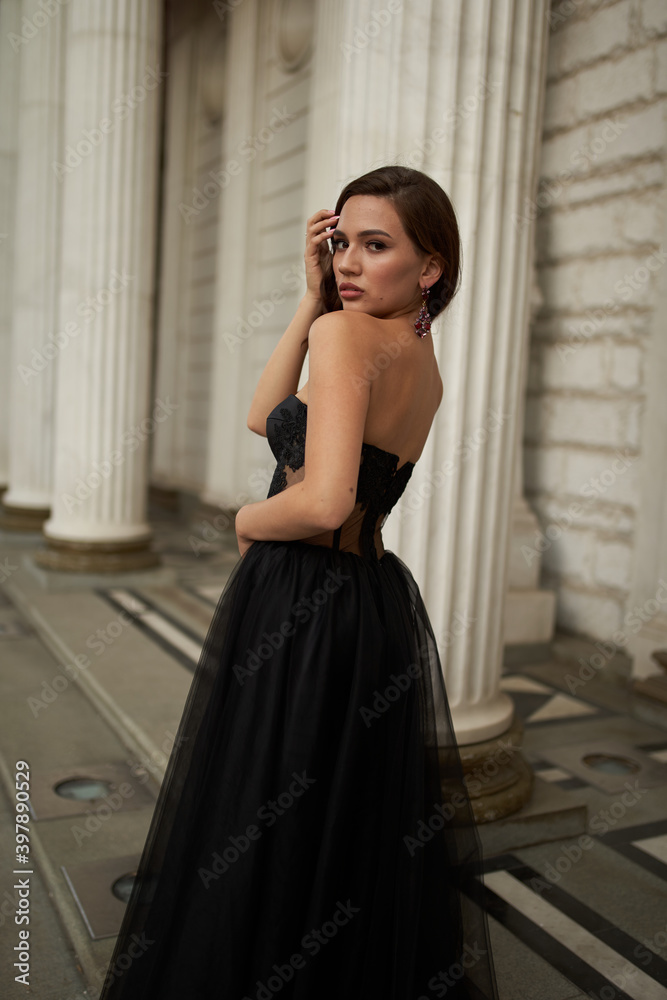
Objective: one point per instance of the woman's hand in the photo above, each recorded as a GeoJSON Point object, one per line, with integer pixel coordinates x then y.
{"type": "Point", "coordinates": [318, 230]}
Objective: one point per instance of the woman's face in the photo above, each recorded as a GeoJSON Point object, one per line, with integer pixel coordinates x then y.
{"type": "Point", "coordinates": [372, 251]}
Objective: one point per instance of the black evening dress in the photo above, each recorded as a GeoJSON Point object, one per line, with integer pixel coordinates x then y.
{"type": "Point", "coordinates": [312, 838]}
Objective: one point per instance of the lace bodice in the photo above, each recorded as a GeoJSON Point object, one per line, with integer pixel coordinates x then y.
{"type": "Point", "coordinates": [379, 486]}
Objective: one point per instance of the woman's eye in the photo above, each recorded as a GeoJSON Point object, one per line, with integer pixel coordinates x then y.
{"type": "Point", "coordinates": [371, 243]}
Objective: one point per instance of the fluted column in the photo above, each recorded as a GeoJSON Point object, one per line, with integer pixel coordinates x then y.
{"type": "Point", "coordinates": [10, 21]}
{"type": "Point", "coordinates": [36, 271]}
{"type": "Point", "coordinates": [105, 415]}
{"type": "Point", "coordinates": [456, 90]}
{"type": "Point", "coordinates": [382, 54]}
{"type": "Point", "coordinates": [227, 435]}
{"type": "Point", "coordinates": [485, 156]}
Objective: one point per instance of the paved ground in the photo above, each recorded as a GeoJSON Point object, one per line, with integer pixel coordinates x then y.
{"type": "Point", "coordinates": [94, 675]}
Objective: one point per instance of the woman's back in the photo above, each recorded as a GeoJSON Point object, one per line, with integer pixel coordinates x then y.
{"type": "Point", "coordinates": [405, 393]}
{"type": "Point", "coordinates": [405, 386]}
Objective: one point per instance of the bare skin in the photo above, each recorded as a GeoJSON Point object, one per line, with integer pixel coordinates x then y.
{"type": "Point", "coordinates": [371, 378]}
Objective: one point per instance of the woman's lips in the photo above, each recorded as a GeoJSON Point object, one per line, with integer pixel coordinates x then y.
{"type": "Point", "coordinates": [350, 293]}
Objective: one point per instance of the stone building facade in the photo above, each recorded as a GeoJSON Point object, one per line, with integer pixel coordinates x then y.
{"type": "Point", "coordinates": [158, 161]}
{"type": "Point", "coordinates": [596, 427]}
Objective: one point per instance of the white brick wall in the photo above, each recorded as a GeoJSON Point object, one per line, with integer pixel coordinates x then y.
{"type": "Point", "coordinates": [572, 554]}
{"type": "Point", "coordinates": [607, 284]}
{"type": "Point", "coordinates": [580, 610]}
{"type": "Point", "coordinates": [606, 364]}
{"type": "Point", "coordinates": [661, 67]}
{"type": "Point", "coordinates": [601, 226]}
{"type": "Point", "coordinates": [573, 418]}
{"type": "Point", "coordinates": [613, 564]}
{"type": "Point", "coordinates": [601, 516]}
{"type": "Point", "coordinates": [617, 139]}
{"type": "Point", "coordinates": [599, 216]}
{"type": "Point", "coordinates": [618, 81]}
{"type": "Point", "coordinates": [625, 179]}
{"type": "Point", "coordinates": [587, 35]}
{"type": "Point", "coordinates": [654, 16]}
{"type": "Point", "coordinates": [599, 90]}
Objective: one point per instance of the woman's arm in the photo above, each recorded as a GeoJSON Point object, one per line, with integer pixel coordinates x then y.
{"type": "Point", "coordinates": [283, 369]}
{"type": "Point", "coordinates": [337, 409]}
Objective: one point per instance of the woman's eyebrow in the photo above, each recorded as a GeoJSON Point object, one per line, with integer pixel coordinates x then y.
{"type": "Point", "coordinates": [364, 232]}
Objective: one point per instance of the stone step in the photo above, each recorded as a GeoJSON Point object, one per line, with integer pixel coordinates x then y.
{"type": "Point", "coordinates": [67, 738]}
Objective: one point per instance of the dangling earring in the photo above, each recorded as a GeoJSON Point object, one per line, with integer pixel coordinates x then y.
{"type": "Point", "coordinates": [423, 321]}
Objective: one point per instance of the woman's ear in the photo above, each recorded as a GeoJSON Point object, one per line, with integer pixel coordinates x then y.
{"type": "Point", "coordinates": [433, 268]}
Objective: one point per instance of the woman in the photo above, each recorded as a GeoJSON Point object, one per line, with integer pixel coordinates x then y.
{"type": "Point", "coordinates": [313, 837]}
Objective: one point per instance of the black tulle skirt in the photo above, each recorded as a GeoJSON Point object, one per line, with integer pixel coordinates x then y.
{"type": "Point", "coordinates": [312, 838]}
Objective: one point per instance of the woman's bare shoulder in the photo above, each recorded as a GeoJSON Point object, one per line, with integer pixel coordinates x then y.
{"type": "Point", "coordinates": [345, 336]}
{"type": "Point", "coordinates": [344, 320]}
{"type": "Point", "coordinates": [355, 332]}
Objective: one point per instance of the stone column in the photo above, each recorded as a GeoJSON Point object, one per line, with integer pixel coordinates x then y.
{"type": "Point", "coordinates": [483, 149]}
{"type": "Point", "coordinates": [10, 26]}
{"type": "Point", "coordinates": [385, 57]}
{"type": "Point", "coordinates": [176, 248]}
{"type": "Point", "coordinates": [105, 415]}
{"type": "Point", "coordinates": [456, 90]}
{"type": "Point", "coordinates": [228, 433]}
{"type": "Point", "coordinates": [36, 271]}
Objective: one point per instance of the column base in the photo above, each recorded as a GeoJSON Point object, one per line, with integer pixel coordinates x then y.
{"type": "Point", "coordinates": [165, 497]}
{"type": "Point", "coordinates": [498, 780]}
{"type": "Point", "coordinates": [97, 557]}
{"type": "Point", "coordinates": [28, 519]}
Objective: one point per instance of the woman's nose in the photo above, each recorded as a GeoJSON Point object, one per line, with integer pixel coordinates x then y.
{"type": "Point", "coordinates": [348, 260]}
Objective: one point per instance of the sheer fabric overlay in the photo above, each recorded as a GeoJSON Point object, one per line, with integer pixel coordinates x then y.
{"type": "Point", "coordinates": [313, 836]}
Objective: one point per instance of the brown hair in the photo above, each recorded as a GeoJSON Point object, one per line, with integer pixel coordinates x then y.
{"type": "Point", "coordinates": [429, 220]}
